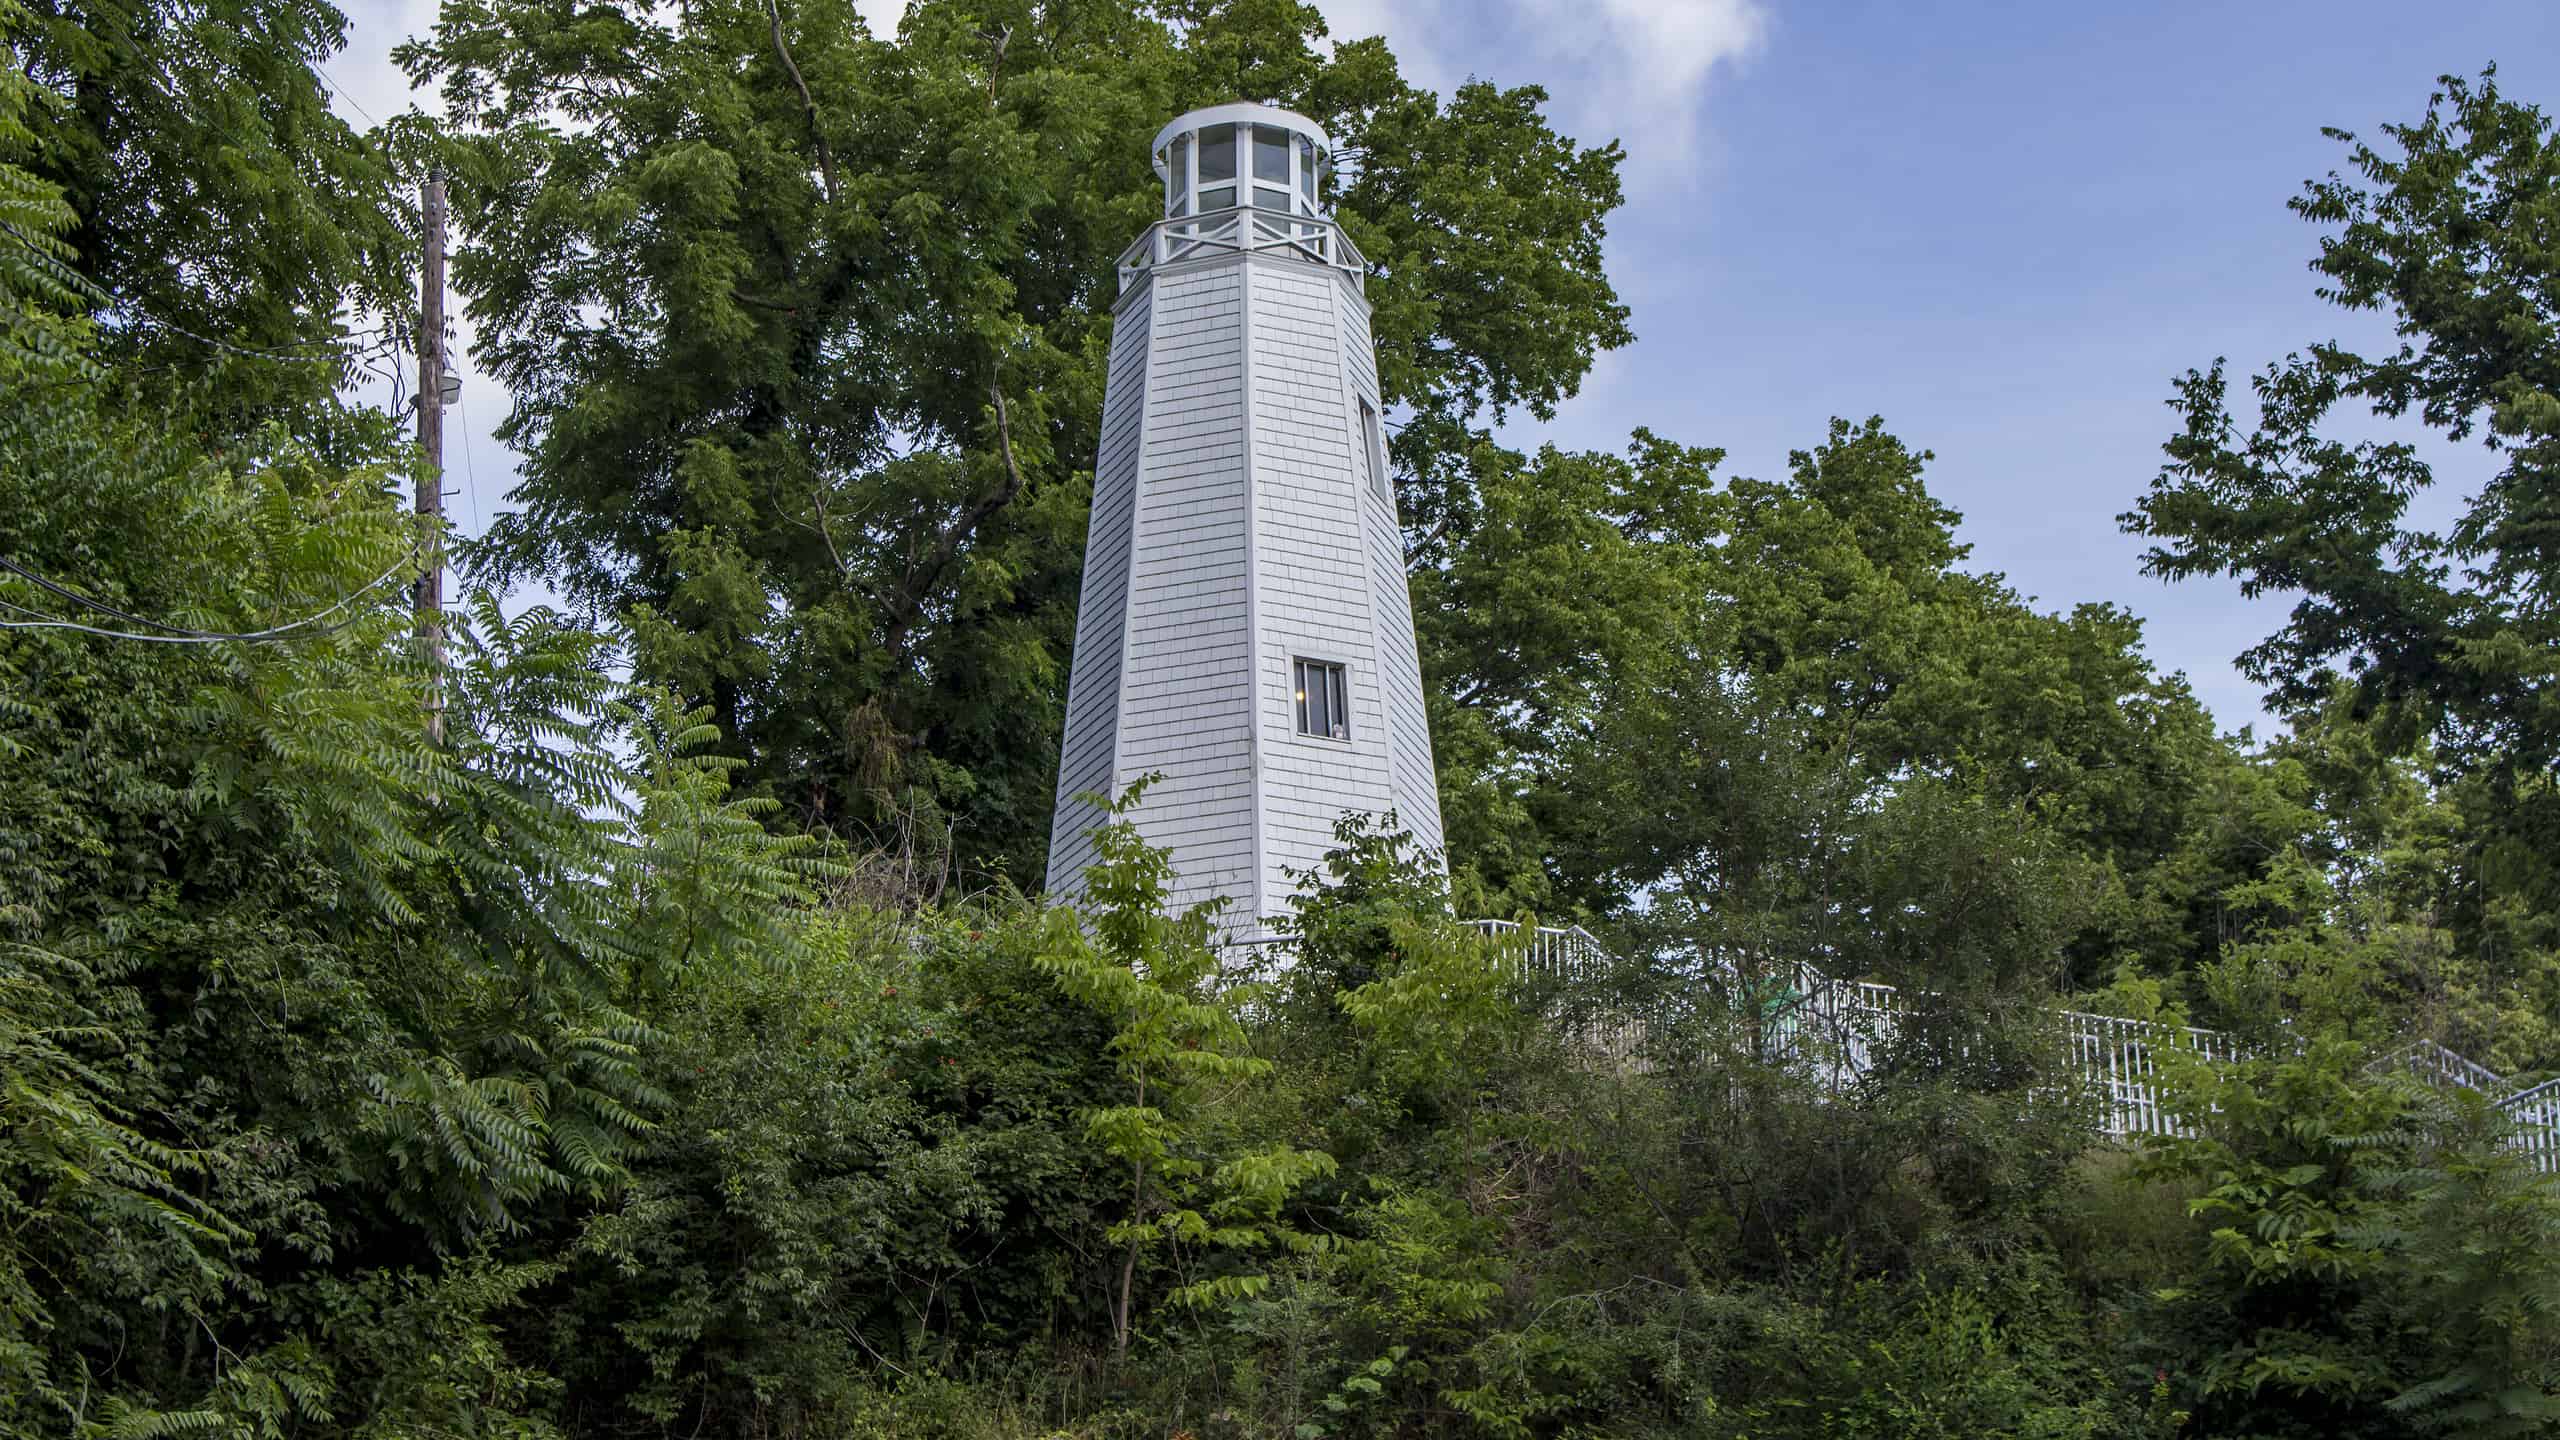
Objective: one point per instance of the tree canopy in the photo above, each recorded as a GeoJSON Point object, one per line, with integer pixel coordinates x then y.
{"type": "Point", "coordinates": [805, 328]}
{"type": "Point", "coordinates": [616, 1060]}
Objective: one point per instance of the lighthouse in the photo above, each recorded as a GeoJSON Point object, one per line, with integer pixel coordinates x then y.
{"type": "Point", "coordinates": [1245, 632]}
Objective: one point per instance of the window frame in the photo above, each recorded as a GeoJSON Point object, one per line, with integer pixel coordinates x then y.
{"type": "Point", "coordinates": [1213, 193]}
{"type": "Point", "coordinates": [1373, 452]}
{"type": "Point", "coordinates": [1333, 690]}
{"type": "Point", "coordinates": [1293, 187]}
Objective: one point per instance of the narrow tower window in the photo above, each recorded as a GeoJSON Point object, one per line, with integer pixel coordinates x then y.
{"type": "Point", "coordinates": [1373, 454]}
{"type": "Point", "coordinates": [1323, 700]}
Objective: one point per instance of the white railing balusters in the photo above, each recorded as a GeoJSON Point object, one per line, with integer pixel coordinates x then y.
{"type": "Point", "coordinates": [2117, 1057]}
{"type": "Point", "coordinates": [2537, 1116]}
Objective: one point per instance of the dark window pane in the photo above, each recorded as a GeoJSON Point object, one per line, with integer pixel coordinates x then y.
{"type": "Point", "coordinates": [1218, 154]}
{"type": "Point", "coordinates": [1271, 154]}
{"type": "Point", "coordinates": [1216, 197]}
{"type": "Point", "coordinates": [1269, 199]}
{"type": "Point", "coordinates": [1373, 454]}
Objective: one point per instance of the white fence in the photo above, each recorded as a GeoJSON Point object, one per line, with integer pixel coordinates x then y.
{"type": "Point", "coordinates": [1844, 1025]}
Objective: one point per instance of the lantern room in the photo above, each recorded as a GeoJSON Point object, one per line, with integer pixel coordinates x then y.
{"type": "Point", "coordinates": [1256, 156]}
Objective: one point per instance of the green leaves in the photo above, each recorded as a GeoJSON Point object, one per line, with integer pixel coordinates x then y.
{"type": "Point", "coordinates": [2436, 638]}
{"type": "Point", "coordinates": [806, 329]}
{"type": "Point", "coordinates": [1179, 1047]}
{"type": "Point", "coordinates": [217, 200]}
{"type": "Point", "coordinates": [559, 1077]}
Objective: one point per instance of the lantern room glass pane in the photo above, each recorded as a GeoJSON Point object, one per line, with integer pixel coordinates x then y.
{"type": "Point", "coordinates": [1180, 166]}
{"type": "Point", "coordinates": [1271, 155]}
{"type": "Point", "coordinates": [1270, 199]}
{"type": "Point", "coordinates": [1216, 197]}
{"type": "Point", "coordinates": [1307, 173]}
{"type": "Point", "coordinates": [1217, 155]}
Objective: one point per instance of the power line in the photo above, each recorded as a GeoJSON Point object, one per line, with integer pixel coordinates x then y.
{"type": "Point", "coordinates": [334, 88]}
{"type": "Point", "coordinates": [43, 621]}
{"type": "Point", "coordinates": [470, 471]}
{"type": "Point", "coordinates": [118, 304]}
{"type": "Point", "coordinates": [363, 358]}
{"type": "Point", "coordinates": [182, 635]}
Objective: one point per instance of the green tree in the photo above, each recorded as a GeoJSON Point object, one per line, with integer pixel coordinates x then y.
{"type": "Point", "coordinates": [2442, 636]}
{"type": "Point", "coordinates": [1179, 1047]}
{"type": "Point", "coordinates": [217, 204]}
{"type": "Point", "coordinates": [305, 1011]}
{"type": "Point", "coordinates": [1651, 681]}
{"type": "Point", "coordinates": [1553, 587]}
{"type": "Point", "coordinates": [806, 329]}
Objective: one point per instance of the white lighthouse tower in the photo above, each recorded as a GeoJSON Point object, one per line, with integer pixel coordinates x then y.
{"type": "Point", "coordinates": [1246, 632]}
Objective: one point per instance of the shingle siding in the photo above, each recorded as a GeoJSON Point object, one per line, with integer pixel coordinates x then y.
{"type": "Point", "coordinates": [1414, 779]}
{"type": "Point", "coordinates": [1093, 671]}
{"type": "Point", "coordinates": [1182, 699]}
{"type": "Point", "coordinates": [1316, 599]}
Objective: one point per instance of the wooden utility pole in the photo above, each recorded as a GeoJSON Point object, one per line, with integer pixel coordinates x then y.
{"type": "Point", "coordinates": [430, 597]}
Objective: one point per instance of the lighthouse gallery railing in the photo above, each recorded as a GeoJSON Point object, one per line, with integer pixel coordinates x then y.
{"type": "Point", "coordinates": [1242, 229]}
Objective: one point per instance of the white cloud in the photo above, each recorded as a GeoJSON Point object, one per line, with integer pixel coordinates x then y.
{"type": "Point", "coordinates": [1633, 70]}
{"type": "Point", "coordinates": [1667, 47]}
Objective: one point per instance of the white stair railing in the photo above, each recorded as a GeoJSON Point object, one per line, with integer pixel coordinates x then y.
{"type": "Point", "coordinates": [2114, 1055]}
{"type": "Point", "coordinates": [2537, 1116]}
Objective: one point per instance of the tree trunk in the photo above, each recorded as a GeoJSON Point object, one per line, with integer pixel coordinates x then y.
{"type": "Point", "coordinates": [1128, 1274]}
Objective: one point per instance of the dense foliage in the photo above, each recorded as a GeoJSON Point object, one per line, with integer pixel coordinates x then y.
{"type": "Point", "coordinates": [568, 1073]}
{"type": "Point", "coordinates": [805, 329]}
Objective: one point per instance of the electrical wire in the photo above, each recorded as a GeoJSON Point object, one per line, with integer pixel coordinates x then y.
{"type": "Point", "coordinates": [364, 360]}
{"type": "Point", "coordinates": [182, 635]}
{"type": "Point", "coordinates": [333, 87]}
{"type": "Point", "coordinates": [470, 471]}
{"type": "Point", "coordinates": [43, 621]}
{"type": "Point", "coordinates": [116, 302]}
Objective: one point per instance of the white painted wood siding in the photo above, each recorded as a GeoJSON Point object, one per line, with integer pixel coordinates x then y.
{"type": "Point", "coordinates": [1311, 550]}
{"type": "Point", "coordinates": [1184, 687]}
{"type": "Point", "coordinates": [1087, 759]}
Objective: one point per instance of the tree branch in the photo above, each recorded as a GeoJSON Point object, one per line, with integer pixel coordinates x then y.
{"type": "Point", "coordinates": [1413, 555]}
{"type": "Point", "coordinates": [818, 504]}
{"type": "Point", "coordinates": [946, 545]}
{"type": "Point", "coordinates": [817, 135]}
{"type": "Point", "coordinates": [1001, 39]}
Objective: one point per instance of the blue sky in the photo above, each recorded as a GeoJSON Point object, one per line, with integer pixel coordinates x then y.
{"type": "Point", "coordinates": [2002, 227]}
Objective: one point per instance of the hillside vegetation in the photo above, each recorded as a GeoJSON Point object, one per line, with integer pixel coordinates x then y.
{"type": "Point", "coordinates": [667, 1046]}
